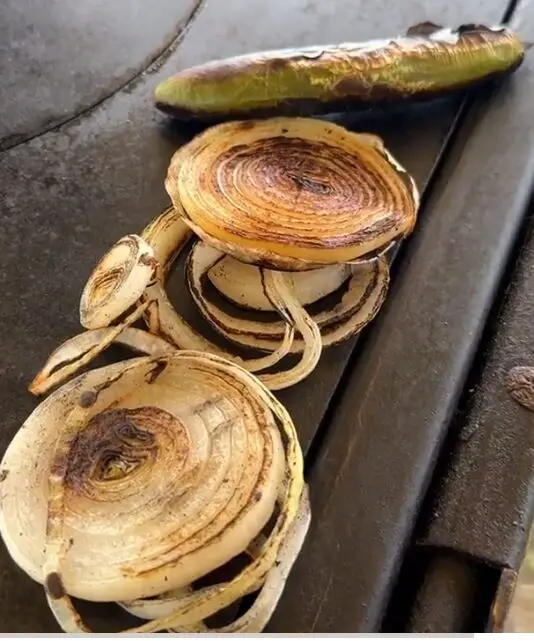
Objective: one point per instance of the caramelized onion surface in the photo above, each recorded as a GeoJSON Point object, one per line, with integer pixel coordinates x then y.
{"type": "Point", "coordinates": [291, 193]}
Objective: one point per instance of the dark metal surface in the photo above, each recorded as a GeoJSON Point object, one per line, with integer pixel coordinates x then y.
{"type": "Point", "coordinates": [57, 58]}
{"type": "Point", "coordinates": [451, 582]}
{"type": "Point", "coordinates": [69, 194]}
{"type": "Point", "coordinates": [441, 591]}
{"type": "Point", "coordinates": [480, 506]}
{"type": "Point", "coordinates": [370, 477]}
{"type": "Point", "coordinates": [491, 466]}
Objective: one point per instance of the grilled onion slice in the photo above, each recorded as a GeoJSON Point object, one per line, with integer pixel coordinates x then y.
{"type": "Point", "coordinates": [365, 288]}
{"type": "Point", "coordinates": [140, 477]}
{"type": "Point", "coordinates": [166, 236]}
{"type": "Point", "coordinates": [292, 193]}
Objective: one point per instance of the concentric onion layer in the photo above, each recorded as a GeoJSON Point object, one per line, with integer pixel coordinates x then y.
{"type": "Point", "coordinates": [117, 281]}
{"type": "Point", "coordinates": [292, 192]}
{"type": "Point", "coordinates": [166, 235]}
{"type": "Point", "coordinates": [175, 471]}
{"type": "Point", "coordinates": [270, 588]}
{"type": "Point", "coordinates": [365, 286]}
{"type": "Point", "coordinates": [242, 284]}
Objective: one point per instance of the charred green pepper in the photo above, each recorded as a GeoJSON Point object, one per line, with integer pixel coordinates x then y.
{"type": "Point", "coordinates": [428, 61]}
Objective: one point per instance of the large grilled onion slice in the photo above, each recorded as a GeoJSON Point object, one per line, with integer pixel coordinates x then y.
{"type": "Point", "coordinates": [292, 193]}
{"type": "Point", "coordinates": [138, 478]}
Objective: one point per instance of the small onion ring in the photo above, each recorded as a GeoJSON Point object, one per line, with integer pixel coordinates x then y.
{"type": "Point", "coordinates": [366, 291]}
{"type": "Point", "coordinates": [117, 282]}
{"type": "Point", "coordinates": [114, 286]}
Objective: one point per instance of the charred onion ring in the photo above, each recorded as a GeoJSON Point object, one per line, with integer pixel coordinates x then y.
{"type": "Point", "coordinates": [132, 481]}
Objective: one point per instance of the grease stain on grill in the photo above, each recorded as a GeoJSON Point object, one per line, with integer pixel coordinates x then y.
{"type": "Point", "coordinates": [520, 385]}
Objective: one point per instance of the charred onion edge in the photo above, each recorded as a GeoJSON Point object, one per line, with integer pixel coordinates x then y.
{"type": "Point", "coordinates": [80, 350]}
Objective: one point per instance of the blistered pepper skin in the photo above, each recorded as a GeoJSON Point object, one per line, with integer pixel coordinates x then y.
{"type": "Point", "coordinates": [429, 61]}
